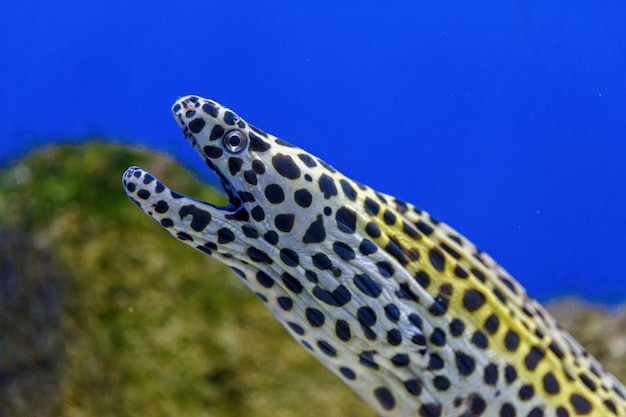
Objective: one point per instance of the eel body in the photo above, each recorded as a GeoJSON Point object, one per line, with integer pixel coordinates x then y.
{"type": "Point", "coordinates": [401, 307]}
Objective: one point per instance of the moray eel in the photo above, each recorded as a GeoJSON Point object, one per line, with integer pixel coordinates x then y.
{"type": "Point", "coordinates": [401, 307]}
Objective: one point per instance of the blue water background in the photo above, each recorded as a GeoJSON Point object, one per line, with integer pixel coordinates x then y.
{"type": "Point", "coordinates": [507, 120]}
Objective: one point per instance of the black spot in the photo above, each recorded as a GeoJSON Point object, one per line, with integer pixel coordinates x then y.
{"type": "Point", "coordinates": [465, 364]}
{"type": "Point", "coordinates": [367, 247]}
{"type": "Point", "coordinates": [439, 307]}
{"type": "Point", "coordinates": [241, 215]}
{"type": "Point", "coordinates": [400, 359]}
{"type": "Point", "coordinates": [491, 324]}
{"type": "Point", "coordinates": [477, 405]}
{"type": "Point", "coordinates": [167, 222]}
{"type": "Point", "coordinates": [550, 383]}
{"type": "Point", "coordinates": [348, 191]}
{"type": "Point", "coordinates": [430, 410]}
{"type": "Point", "coordinates": [437, 259]}
{"type": "Point", "coordinates": [346, 220]}
{"type": "Point", "coordinates": [507, 410]}
{"type": "Point", "coordinates": [257, 144]}
{"type": "Point", "coordinates": [473, 300]}
{"type": "Point", "coordinates": [286, 166]}
{"type": "Point", "coordinates": [316, 232]}
{"type": "Point", "coordinates": [315, 317]}
{"type": "Point", "coordinates": [456, 327]}
{"type": "Point", "coordinates": [480, 340]}
{"type": "Point", "coordinates": [366, 316]}
{"type": "Point", "coordinates": [143, 194]}
{"type": "Point", "coordinates": [184, 236]}
{"type": "Point", "coordinates": [441, 383]}
{"type": "Point", "coordinates": [327, 186]}
{"type": "Point", "coordinates": [274, 194]}
{"type": "Point", "coordinates": [291, 283]}
{"type": "Point", "coordinates": [438, 337]}
{"type": "Point", "coordinates": [422, 279]}
{"type": "Point", "coordinates": [225, 235]}
{"type": "Point", "coordinates": [229, 117]}
{"type": "Point", "coordinates": [342, 330]}
{"type": "Point", "coordinates": [131, 187]}
{"type": "Point", "coordinates": [526, 392]}
{"type": "Point", "coordinates": [413, 386]}
{"type": "Point", "coordinates": [216, 133]}
{"type": "Point", "coordinates": [395, 249]}
{"type": "Point", "coordinates": [258, 213]}
{"type": "Point", "coordinates": [347, 372]}
{"type": "Point", "coordinates": [510, 374]}
{"type": "Point", "coordinates": [212, 151]}
{"type": "Point", "coordinates": [289, 257]}
{"type": "Point", "coordinates": [284, 222]}
{"type": "Point", "coordinates": [196, 125]}
{"type": "Point", "coordinates": [246, 197]}
{"type": "Point", "coordinates": [385, 269]}
{"type": "Point", "coordinates": [200, 218]}
{"type": "Point", "coordinates": [424, 227]}
{"type": "Point", "coordinates": [410, 231]}
{"type": "Point", "coordinates": [147, 179]}
{"type": "Point", "coordinates": [491, 374]}
{"type": "Point", "coordinates": [389, 218]}
{"type": "Point", "coordinates": [588, 382]}
{"type": "Point", "coordinates": [450, 251]}
{"type": "Point", "coordinates": [326, 348]}
{"type": "Point", "coordinates": [371, 206]}
{"type": "Point", "coordinates": [258, 255]}
{"type": "Point", "coordinates": [532, 359]}
{"type": "Point", "coordinates": [478, 274]}
{"type": "Point", "coordinates": [405, 292]}
{"type": "Point", "coordinates": [285, 303]}
{"type": "Point", "coordinates": [258, 167]}
{"type": "Point", "coordinates": [271, 237]}
{"type": "Point", "coordinates": [366, 358]}
{"type": "Point", "coordinates": [296, 328]}
{"type": "Point", "coordinates": [344, 251]}
{"type": "Point", "coordinates": [249, 232]}
{"type": "Point", "coordinates": [367, 285]}
{"type": "Point", "coordinates": [210, 109]}
{"type": "Point", "coordinates": [161, 207]}
{"type": "Point", "coordinates": [250, 177]}
{"type": "Point", "coordinates": [308, 161]}
{"type": "Point", "coordinates": [435, 362]}
{"type": "Point", "coordinates": [460, 272]}
{"type": "Point", "coordinates": [392, 312]}
{"type": "Point", "coordinates": [311, 276]}
{"type": "Point", "coordinates": [372, 230]}
{"type": "Point", "coordinates": [511, 341]}
{"type": "Point", "coordinates": [557, 350]}
{"type": "Point", "coordinates": [328, 211]}
{"type": "Point", "coordinates": [385, 398]}
{"type": "Point", "coordinates": [337, 298]}
{"type": "Point", "coordinates": [234, 165]}
{"type": "Point", "coordinates": [537, 412]}
{"type": "Point", "coordinates": [322, 261]}
{"type": "Point", "coordinates": [303, 197]}
{"type": "Point", "coordinates": [416, 320]}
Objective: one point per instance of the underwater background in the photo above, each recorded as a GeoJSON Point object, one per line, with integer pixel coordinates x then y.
{"type": "Point", "coordinates": [506, 120]}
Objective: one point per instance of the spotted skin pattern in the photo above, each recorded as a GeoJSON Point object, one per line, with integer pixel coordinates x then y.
{"type": "Point", "coordinates": [406, 311]}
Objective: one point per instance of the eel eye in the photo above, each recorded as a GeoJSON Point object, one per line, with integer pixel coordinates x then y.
{"type": "Point", "coordinates": [235, 141]}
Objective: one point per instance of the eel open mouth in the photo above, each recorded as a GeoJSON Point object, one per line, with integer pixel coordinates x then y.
{"type": "Point", "coordinates": [182, 111]}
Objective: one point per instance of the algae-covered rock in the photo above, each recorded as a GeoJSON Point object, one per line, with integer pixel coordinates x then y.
{"type": "Point", "coordinates": [145, 326]}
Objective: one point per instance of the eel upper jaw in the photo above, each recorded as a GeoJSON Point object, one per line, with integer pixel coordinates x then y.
{"type": "Point", "coordinates": [234, 202]}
